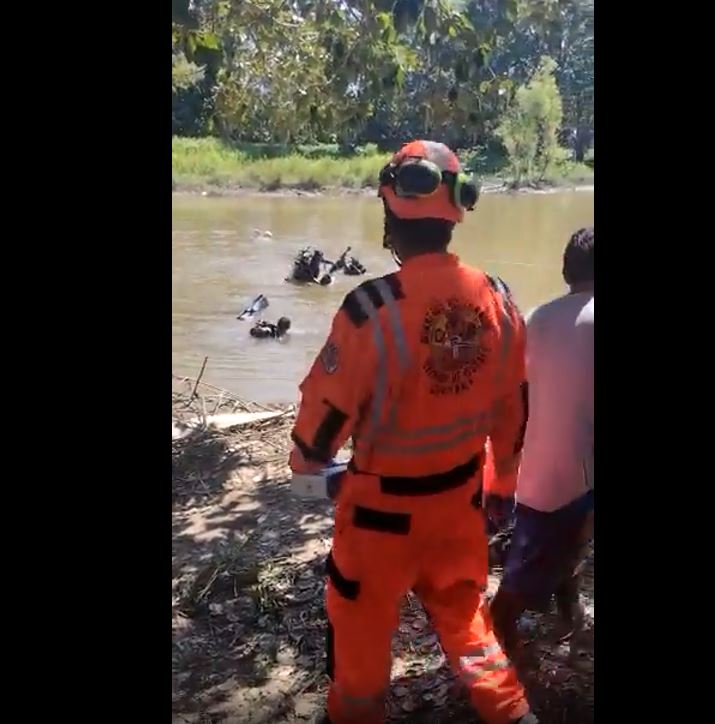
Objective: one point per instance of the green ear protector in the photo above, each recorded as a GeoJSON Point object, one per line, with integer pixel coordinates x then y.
{"type": "Point", "coordinates": [419, 178]}
{"type": "Point", "coordinates": [465, 191]}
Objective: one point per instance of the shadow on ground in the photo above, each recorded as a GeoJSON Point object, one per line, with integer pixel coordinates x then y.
{"type": "Point", "coordinates": [248, 615]}
{"type": "Point", "coordinates": [247, 563]}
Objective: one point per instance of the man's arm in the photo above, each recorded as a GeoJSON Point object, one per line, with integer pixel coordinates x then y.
{"type": "Point", "coordinates": [507, 434]}
{"type": "Point", "coordinates": [337, 386]}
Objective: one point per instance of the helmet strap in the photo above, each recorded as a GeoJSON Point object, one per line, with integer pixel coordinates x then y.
{"type": "Point", "coordinates": [387, 233]}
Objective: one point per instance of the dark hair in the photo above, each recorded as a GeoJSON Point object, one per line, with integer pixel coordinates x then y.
{"type": "Point", "coordinates": [578, 257]}
{"type": "Point", "coordinates": [422, 235]}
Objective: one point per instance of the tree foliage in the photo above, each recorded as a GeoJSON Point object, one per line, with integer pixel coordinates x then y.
{"type": "Point", "coordinates": [356, 71]}
{"type": "Point", "coordinates": [529, 129]}
{"type": "Point", "coordinates": [184, 74]}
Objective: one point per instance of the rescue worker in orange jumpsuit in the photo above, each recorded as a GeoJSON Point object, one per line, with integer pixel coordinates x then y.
{"type": "Point", "coordinates": [421, 367]}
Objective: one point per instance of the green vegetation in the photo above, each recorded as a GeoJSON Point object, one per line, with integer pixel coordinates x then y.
{"type": "Point", "coordinates": [303, 93]}
{"type": "Point", "coordinates": [209, 163]}
{"type": "Point", "coordinates": [531, 124]}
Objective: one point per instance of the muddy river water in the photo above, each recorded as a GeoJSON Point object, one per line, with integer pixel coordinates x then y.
{"type": "Point", "coordinates": [220, 263]}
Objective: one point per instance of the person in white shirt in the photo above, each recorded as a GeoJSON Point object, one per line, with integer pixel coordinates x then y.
{"type": "Point", "coordinates": [554, 495]}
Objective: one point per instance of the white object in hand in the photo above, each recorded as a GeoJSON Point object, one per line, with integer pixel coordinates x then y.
{"type": "Point", "coordinates": [323, 484]}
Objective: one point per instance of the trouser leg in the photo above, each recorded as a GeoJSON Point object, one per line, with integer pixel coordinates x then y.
{"type": "Point", "coordinates": [474, 652]}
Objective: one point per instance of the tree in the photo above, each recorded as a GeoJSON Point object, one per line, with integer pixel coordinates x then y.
{"type": "Point", "coordinates": [356, 71]}
{"type": "Point", "coordinates": [563, 30]}
{"type": "Point", "coordinates": [196, 60]}
{"type": "Point", "coordinates": [530, 126]}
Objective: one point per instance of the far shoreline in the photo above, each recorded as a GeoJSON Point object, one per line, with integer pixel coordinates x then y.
{"type": "Point", "coordinates": [209, 191]}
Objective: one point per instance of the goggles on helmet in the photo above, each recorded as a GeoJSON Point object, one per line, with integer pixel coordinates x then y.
{"type": "Point", "coordinates": [416, 178]}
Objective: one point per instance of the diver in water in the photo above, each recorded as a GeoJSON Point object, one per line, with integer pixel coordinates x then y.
{"type": "Point", "coordinates": [307, 266]}
{"type": "Point", "coordinates": [266, 330]}
{"type": "Point", "coordinates": [348, 263]}
{"type": "Point", "coordinates": [353, 268]}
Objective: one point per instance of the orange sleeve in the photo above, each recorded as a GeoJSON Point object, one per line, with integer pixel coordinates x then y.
{"type": "Point", "coordinates": [507, 434]}
{"type": "Point", "coordinates": [337, 387]}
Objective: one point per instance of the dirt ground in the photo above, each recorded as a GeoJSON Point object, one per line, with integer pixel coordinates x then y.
{"type": "Point", "coordinates": [247, 603]}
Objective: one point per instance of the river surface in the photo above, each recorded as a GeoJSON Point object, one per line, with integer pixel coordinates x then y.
{"type": "Point", "coordinates": [219, 264]}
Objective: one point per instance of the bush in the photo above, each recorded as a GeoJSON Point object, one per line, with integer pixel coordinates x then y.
{"type": "Point", "coordinates": [530, 127]}
{"type": "Point", "coordinates": [487, 160]}
{"type": "Point", "coordinates": [369, 149]}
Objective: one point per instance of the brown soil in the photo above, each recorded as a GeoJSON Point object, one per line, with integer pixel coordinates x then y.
{"type": "Point", "coordinates": [248, 617]}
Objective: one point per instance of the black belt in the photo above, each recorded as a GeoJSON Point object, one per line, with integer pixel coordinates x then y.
{"type": "Point", "coordinates": [431, 484]}
{"type": "Point", "coordinates": [400, 523]}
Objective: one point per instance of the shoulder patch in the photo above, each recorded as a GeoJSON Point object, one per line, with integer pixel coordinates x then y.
{"type": "Point", "coordinates": [368, 293]}
{"type": "Point", "coordinates": [329, 357]}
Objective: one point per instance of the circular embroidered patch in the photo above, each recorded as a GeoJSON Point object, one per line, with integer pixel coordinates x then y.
{"type": "Point", "coordinates": [454, 331]}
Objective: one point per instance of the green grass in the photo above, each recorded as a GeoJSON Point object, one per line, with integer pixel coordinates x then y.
{"type": "Point", "coordinates": [208, 163]}
{"type": "Point", "coordinates": [201, 162]}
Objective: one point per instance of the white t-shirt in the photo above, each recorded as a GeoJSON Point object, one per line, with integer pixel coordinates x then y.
{"type": "Point", "coordinates": [557, 460]}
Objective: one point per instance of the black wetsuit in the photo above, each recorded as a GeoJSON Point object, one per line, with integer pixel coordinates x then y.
{"type": "Point", "coordinates": [354, 268]}
{"type": "Point", "coordinates": [307, 267]}
{"type": "Point", "coordinates": [264, 330]}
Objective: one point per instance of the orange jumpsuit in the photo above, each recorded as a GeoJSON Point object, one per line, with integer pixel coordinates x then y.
{"type": "Point", "coordinates": [420, 367]}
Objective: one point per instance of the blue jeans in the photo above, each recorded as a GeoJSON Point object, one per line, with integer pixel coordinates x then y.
{"type": "Point", "coordinates": [544, 549]}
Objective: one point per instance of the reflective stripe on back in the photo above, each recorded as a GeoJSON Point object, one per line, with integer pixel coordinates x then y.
{"type": "Point", "coordinates": [384, 293]}
{"type": "Point", "coordinates": [412, 442]}
{"type": "Point", "coordinates": [386, 432]}
{"type": "Point", "coordinates": [378, 398]}
{"type": "Point", "coordinates": [395, 320]}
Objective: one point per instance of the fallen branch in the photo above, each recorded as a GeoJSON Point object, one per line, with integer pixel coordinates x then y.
{"type": "Point", "coordinates": [198, 379]}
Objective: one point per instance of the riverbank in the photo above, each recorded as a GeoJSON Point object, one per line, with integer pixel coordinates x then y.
{"type": "Point", "coordinates": [209, 167]}
{"type": "Point", "coordinates": [248, 574]}
{"type": "Point", "coordinates": [333, 191]}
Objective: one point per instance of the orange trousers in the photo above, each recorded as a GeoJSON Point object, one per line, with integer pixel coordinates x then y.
{"type": "Point", "coordinates": [385, 546]}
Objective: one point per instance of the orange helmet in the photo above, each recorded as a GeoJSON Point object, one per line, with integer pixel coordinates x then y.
{"type": "Point", "coordinates": [424, 180]}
